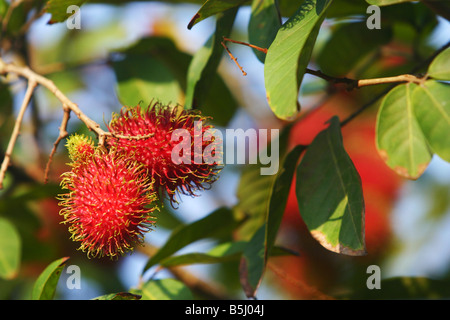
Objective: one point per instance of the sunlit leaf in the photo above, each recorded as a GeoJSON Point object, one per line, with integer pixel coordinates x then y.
{"type": "Point", "coordinates": [213, 7]}
{"type": "Point", "coordinates": [165, 289]}
{"type": "Point", "coordinates": [399, 138]}
{"type": "Point", "coordinates": [58, 9]}
{"type": "Point", "coordinates": [203, 66]}
{"type": "Point", "coordinates": [348, 45]}
{"type": "Point", "coordinates": [260, 246]}
{"type": "Point", "coordinates": [221, 253]}
{"type": "Point", "coordinates": [10, 250]}
{"type": "Point", "coordinates": [432, 109]}
{"type": "Point", "coordinates": [145, 79]}
{"type": "Point", "coordinates": [219, 103]}
{"type": "Point", "coordinates": [289, 55]}
{"type": "Point", "coordinates": [255, 188]}
{"type": "Point", "coordinates": [263, 26]}
{"type": "Point", "coordinates": [439, 68]}
{"type": "Point", "coordinates": [219, 222]}
{"type": "Point", "coordinates": [329, 194]}
{"type": "Point", "coordinates": [45, 285]}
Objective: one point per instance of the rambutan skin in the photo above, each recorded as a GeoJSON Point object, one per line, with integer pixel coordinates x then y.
{"type": "Point", "coordinates": [80, 147]}
{"type": "Point", "coordinates": [109, 204]}
{"type": "Point", "coordinates": [157, 124]}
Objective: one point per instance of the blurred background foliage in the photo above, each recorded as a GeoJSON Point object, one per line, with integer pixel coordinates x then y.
{"type": "Point", "coordinates": [128, 52]}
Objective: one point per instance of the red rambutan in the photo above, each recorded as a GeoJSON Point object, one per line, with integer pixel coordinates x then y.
{"type": "Point", "coordinates": [156, 125]}
{"type": "Point", "coordinates": [109, 203]}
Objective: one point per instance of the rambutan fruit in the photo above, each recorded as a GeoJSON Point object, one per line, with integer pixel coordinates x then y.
{"type": "Point", "coordinates": [157, 126]}
{"type": "Point", "coordinates": [80, 147]}
{"type": "Point", "coordinates": [109, 204]}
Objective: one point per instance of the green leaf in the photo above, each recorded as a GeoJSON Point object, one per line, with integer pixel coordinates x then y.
{"type": "Point", "coordinates": [289, 55]}
{"type": "Point", "coordinates": [119, 296]}
{"type": "Point", "coordinates": [45, 286]}
{"type": "Point", "coordinates": [219, 102]}
{"type": "Point", "coordinates": [203, 66]}
{"type": "Point", "coordinates": [166, 289]}
{"type": "Point", "coordinates": [279, 196]}
{"type": "Point", "coordinates": [329, 194]}
{"type": "Point", "coordinates": [252, 266]}
{"type": "Point", "coordinates": [213, 7]}
{"type": "Point", "coordinates": [145, 79]}
{"type": "Point", "coordinates": [386, 2]}
{"type": "Point", "coordinates": [263, 26]}
{"type": "Point", "coordinates": [439, 68]}
{"type": "Point", "coordinates": [406, 288]}
{"type": "Point", "coordinates": [348, 45]}
{"type": "Point", "coordinates": [254, 188]}
{"type": "Point", "coordinates": [10, 250]}
{"type": "Point", "coordinates": [58, 9]}
{"type": "Point", "coordinates": [253, 262]}
{"type": "Point", "coordinates": [432, 109]}
{"type": "Point", "coordinates": [218, 222]}
{"type": "Point", "coordinates": [164, 50]}
{"type": "Point", "coordinates": [223, 252]}
{"type": "Point", "coordinates": [399, 138]}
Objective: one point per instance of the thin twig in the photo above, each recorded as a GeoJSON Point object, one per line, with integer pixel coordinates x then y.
{"type": "Point", "coordinates": [423, 64]}
{"type": "Point", "coordinates": [233, 58]}
{"type": "Point", "coordinates": [350, 83]}
{"type": "Point", "coordinates": [16, 131]}
{"type": "Point", "coordinates": [263, 50]}
{"type": "Point", "coordinates": [62, 134]}
{"type": "Point", "coordinates": [69, 106]}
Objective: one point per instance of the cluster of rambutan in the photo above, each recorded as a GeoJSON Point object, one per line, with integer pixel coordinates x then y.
{"type": "Point", "coordinates": [114, 189]}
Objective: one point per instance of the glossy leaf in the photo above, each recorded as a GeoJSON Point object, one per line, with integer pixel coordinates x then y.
{"type": "Point", "coordinates": [279, 196]}
{"type": "Point", "coordinates": [329, 194]}
{"type": "Point", "coordinates": [399, 138]}
{"type": "Point", "coordinates": [260, 246]}
{"type": "Point", "coordinates": [10, 250]}
{"type": "Point", "coordinates": [219, 102]}
{"type": "Point", "coordinates": [263, 26]}
{"type": "Point", "coordinates": [221, 253]}
{"type": "Point", "coordinates": [145, 79]}
{"type": "Point", "coordinates": [289, 55]}
{"type": "Point", "coordinates": [165, 289]}
{"type": "Point", "coordinates": [348, 46]}
{"type": "Point", "coordinates": [45, 286]}
{"type": "Point", "coordinates": [213, 7]}
{"type": "Point", "coordinates": [432, 109]}
{"type": "Point", "coordinates": [254, 188]}
{"type": "Point", "coordinates": [203, 66]}
{"type": "Point", "coordinates": [439, 68]}
{"type": "Point", "coordinates": [58, 9]}
{"type": "Point", "coordinates": [252, 266]}
{"type": "Point", "coordinates": [219, 222]}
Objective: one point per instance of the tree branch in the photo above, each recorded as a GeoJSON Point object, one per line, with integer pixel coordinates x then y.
{"type": "Point", "coordinates": [26, 101]}
{"type": "Point", "coordinates": [33, 80]}
{"type": "Point", "coordinates": [350, 83]}
{"type": "Point", "coordinates": [62, 134]}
